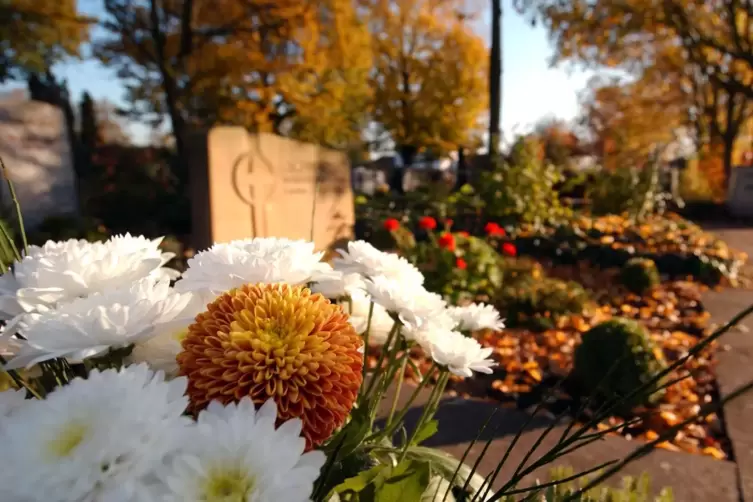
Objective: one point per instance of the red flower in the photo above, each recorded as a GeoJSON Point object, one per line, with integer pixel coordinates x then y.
{"type": "Point", "coordinates": [461, 264]}
{"type": "Point", "coordinates": [509, 249]}
{"type": "Point", "coordinates": [494, 230]}
{"type": "Point", "coordinates": [463, 233]}
{"type": "Point", "coordinates": [448, 223]}
{"type": "Point", "coordinates": [447, 241]}
{"type": "Point", "coordinates": [427, 223]}
{"type": "Point", "coordinates": [391, 224]}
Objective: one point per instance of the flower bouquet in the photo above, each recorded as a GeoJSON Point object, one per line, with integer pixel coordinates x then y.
{"type": "Point", "coordinates": [242, 379]}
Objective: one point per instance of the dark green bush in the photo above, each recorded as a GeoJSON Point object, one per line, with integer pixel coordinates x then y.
{"type": "Point", "coordinates": [528, 298]}
{"type": "Point", "coordinates": [614, 359]}
{"type": "Point", "coordinates": [639, 275]}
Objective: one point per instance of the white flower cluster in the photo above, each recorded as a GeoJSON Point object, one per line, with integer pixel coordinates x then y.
{"type": "Point", "coordinates": [392, 289]}
{"type": "Point", "coordinates": [122, 436]}
{"type": "Point", "coordinates": [269, 260]}
{"type": "Point", "coordinates": [78, 300]}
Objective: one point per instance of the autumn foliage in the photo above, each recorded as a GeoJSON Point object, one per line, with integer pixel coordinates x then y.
{"type": "Point", "coordinates": [35, 34]}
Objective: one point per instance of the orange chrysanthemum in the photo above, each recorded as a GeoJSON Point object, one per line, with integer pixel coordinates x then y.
{"type": "Point", "coordinates": [276, 341]}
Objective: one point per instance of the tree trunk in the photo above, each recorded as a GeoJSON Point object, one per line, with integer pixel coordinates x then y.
{"type": "Point", "coordinates": [495, 79]}
{"type": "Point", "coordinates": [462, 174]}
{"type": "Point", "coordinates": [729, 145]}
{"type": "Point", "coordinates": [168, 83]}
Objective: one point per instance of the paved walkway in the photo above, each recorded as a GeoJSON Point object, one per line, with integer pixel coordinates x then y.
{"type": "Point", "coordinates": [693, 478]}
{"type": "Point", "coordinates": [735, 366]}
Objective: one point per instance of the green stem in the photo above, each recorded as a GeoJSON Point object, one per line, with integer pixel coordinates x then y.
{"type": "Point", "coordinates": [16, 204]}
{"type": "Point", "coordinates": [390, 429]}
{"type": "Point", "coordinates": [385, 350]}
{"type": "Point", "coordinates": [365, 338]}
{"type": "Point", "coordinates": [429, 410]}
{"type": "Point", "coordinates": [400, 377]}
{"type": "Point", "coordinates": [390, 369]}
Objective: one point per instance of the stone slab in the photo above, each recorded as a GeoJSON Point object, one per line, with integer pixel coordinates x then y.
{"type": "Point", "coordinates": [35, 149]}
{"type": "Point", "coordinates": [262, 185]}
{"type": "Point", "coordinates": [693, 478]}
{"type": "Point", "coordinates": [740, 191]}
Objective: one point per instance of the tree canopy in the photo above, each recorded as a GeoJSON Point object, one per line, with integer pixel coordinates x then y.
{"type": "Point", "coordinates": [687, 60]}
{"type": "Point", "coordinates": [36, 34]}
{"type": "Point", "coordinates": [430, 73]}
{"type": "Point", "coordinates": [269, 65]}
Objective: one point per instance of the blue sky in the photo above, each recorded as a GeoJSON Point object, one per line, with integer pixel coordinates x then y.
{"type": "Point", "coordinates": [531, 89]}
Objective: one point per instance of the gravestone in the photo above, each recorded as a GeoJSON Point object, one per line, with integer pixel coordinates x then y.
{"type": "Point", "coordinates": [740, 192]}
{"type": "Point", "coordinates": [36, 153]}
{"type": "Point", "coordinates": [262, 185]}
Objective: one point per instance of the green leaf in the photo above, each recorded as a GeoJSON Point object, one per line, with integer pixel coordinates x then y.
{"type": "Point", "coordinates": [427, 430]}
{"type": "Point", "coordinates": [446, 465]}
{"type": "Point", "coordinates": [355, 432]}
{"type": "Point", "coordinates": [407, 481]}
{"type": "Point", "coordinates": [357, 484]}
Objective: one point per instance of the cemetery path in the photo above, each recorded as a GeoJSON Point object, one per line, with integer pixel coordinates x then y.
{"type": "Point", "coordinates": [692, 478]}
{"type": "Point", "coordinates": [735, 360]}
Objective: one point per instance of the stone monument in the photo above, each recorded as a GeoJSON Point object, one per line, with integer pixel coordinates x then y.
{"type": "Point", "coordinates": [36, 153]}
{"type": "Point", "coordinates": [740, 191]}
{"type": "Point", "coordinates": [262, 185]}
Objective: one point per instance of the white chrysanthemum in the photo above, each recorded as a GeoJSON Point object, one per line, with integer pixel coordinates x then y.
{"type": "Point", "coordinates": [339, 285]}
{"type": "Point", "coordinates": [263, 259]}
{"type": "Point", "coordinates": [90, 326]}
{"type": "Point", "coordinates": [93, 440]}
{"type": "Point", "coordinates": [62, 271]}
{"type": "Point", "coordinates": [439, 321]}
{"type": "Point", "coordinates": [460, 354]}
{"type": "Point", "coordinates": [161, 345]}
{"type": "Point", "coordinates": [381, 322]}
{"type": "Point", "coordinates": [10, 401]}
{"type": "Point", "coordinates": [236, 453]}
{"type": "Point", "coordinates": [411, 302]}
{"type": "Point", "coordinates": [477, 316]}
{"type": "Point", "coordinates": [363, 258]}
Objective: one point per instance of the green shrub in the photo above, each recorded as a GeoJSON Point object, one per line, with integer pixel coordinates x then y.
{"type": "Point", "coordinates": [636, 192]}
{"type": "Point", "coordinates": [632, 490]}
{"type": "Point", "coordinates": [522, 188]}
{"type": "Point", "coordinates": [528, 298]}
{"type": "Point", "coordinates": [614, 359]}
{"type": "Point", "coordinates": [483, 274]}
{"type": "Point", "coordinates": [639, 275]}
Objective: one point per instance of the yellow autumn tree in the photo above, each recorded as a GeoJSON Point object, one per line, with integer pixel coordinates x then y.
{"type": "Point", "coordinates": [717, 36]}
{"type": "Point", "coordinates": [650, 40]}
{"type": "Point", "coordinates": [430, 76]}
{"type": "Point", "coordinates": [292, 67]}
{"type": "Point", "coordinates": [36, 34]}
{"type": "Point", "coordinates": [631, 119]}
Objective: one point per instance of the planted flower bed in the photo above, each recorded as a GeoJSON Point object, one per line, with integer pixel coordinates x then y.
{"type": "Point", "coordinates": [534, 364]}
{"type": "Point", "coordinates": [679, 248]}
{"type": "Point", "coordinates": [549, 305]}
